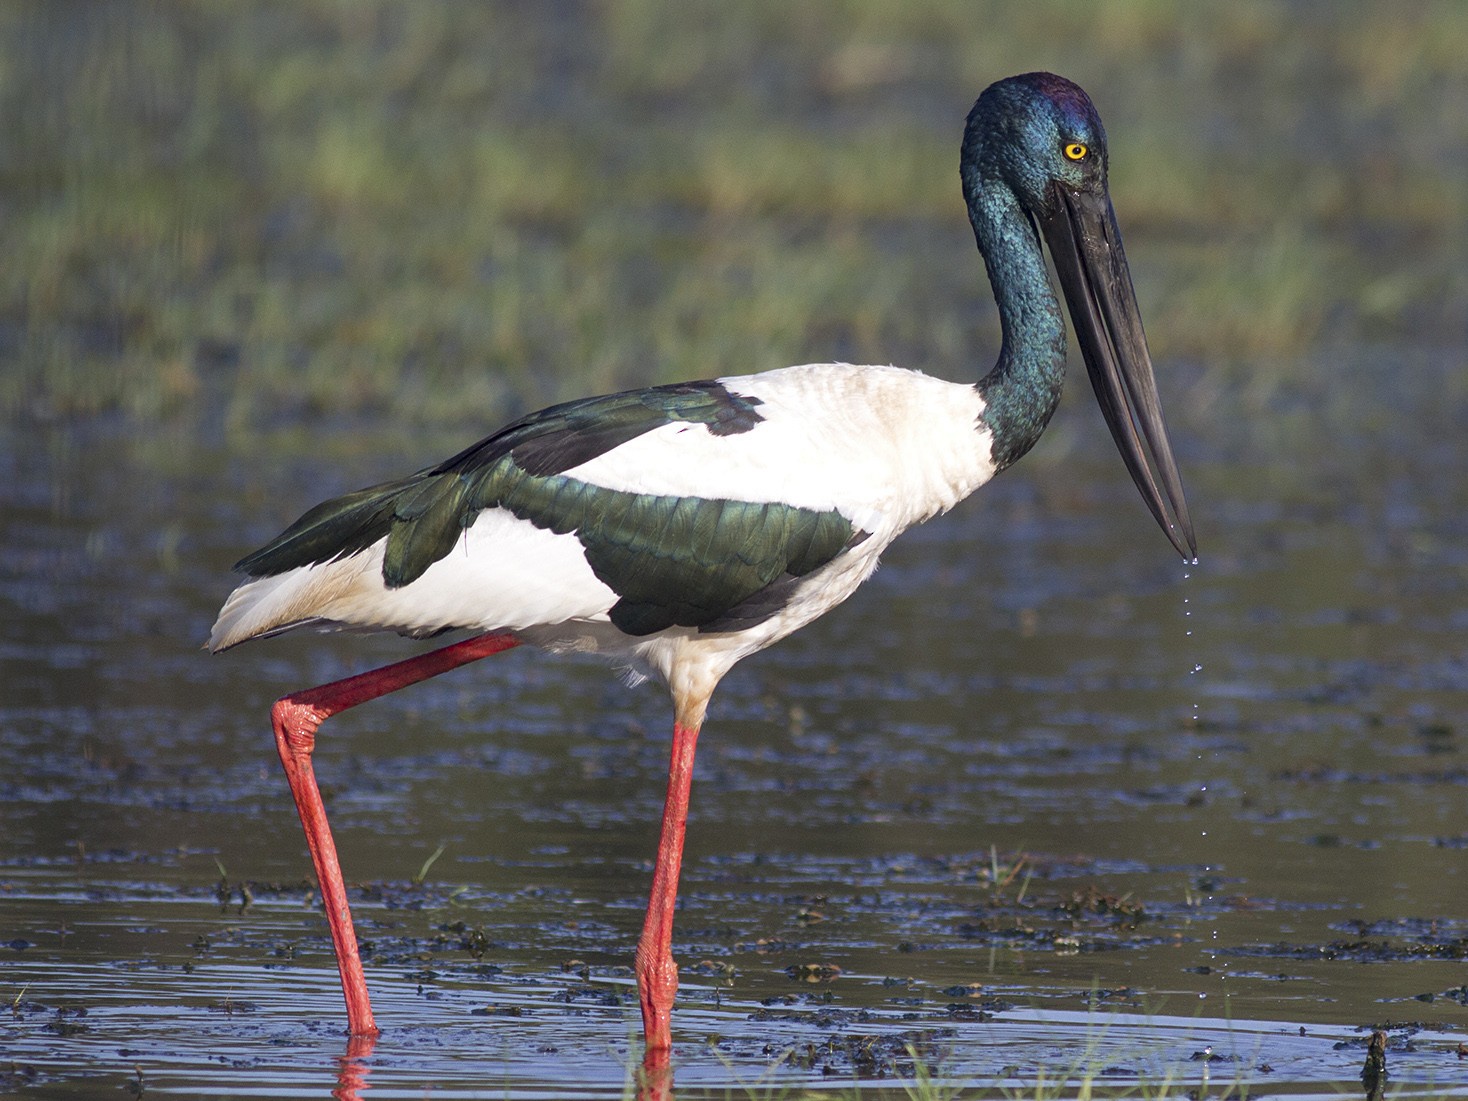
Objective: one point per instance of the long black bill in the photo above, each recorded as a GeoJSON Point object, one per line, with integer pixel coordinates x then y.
{"type": "Point", "coordinates": [1086, 246]}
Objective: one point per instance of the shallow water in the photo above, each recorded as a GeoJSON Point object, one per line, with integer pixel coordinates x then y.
{"type": "Point", "coordinates": [987, 808]}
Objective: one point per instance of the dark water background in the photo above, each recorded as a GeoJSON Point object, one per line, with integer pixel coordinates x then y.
{"type": "Point", "coordinates": [1276, 837]}
{"type": "Point", "coordinates": [1038, 801]}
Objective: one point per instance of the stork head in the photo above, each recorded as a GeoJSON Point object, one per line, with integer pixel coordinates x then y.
{"type": "Point", "coordinates": [1038, 138]}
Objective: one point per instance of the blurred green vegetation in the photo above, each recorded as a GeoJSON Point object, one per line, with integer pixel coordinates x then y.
{"type": "Point", "coordinates": [451, 212]}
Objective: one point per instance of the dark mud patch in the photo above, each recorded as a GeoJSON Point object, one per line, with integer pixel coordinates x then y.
{"type": "Point", "coordinates": [854, 1054]}
{"type": "Point", "coordinates": [1393, 940]}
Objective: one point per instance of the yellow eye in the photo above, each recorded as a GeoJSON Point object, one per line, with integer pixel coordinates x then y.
{"type": "Point", "coordinates": [1075, 151]}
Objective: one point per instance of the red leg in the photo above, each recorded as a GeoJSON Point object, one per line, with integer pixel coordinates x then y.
{"type": "Point", "coordinates": [296, 718]}
{"type": "Point", "coordinates": [657, 974]}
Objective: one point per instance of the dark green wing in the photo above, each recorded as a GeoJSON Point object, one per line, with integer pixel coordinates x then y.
{"type": "Point", "coordinates": [437, 503]}
{"type": "Point", "coordinates": [684, 561]}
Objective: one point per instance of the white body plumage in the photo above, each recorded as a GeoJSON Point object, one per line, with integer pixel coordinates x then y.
{"type": "Point", "coordinates": [885, 447]}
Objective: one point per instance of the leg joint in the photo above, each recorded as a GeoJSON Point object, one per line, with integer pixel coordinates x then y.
{"type": "Point", "coordinates": [295, 725]}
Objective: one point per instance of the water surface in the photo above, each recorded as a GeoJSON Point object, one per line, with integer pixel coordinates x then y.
{"type": "Point", "coordinates": [988, 808]}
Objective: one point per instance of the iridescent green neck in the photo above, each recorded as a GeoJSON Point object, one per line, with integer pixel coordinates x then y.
{"type": "Point", "coordinates": [1023, 389]}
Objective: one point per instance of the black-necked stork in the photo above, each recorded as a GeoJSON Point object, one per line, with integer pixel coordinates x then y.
{"type": "Point", "coordinates": [678, 529]}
